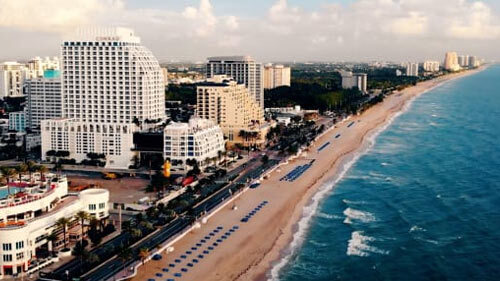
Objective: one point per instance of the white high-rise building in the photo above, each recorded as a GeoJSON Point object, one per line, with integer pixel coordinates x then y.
{"type": "Point", "coordinates": [451, 62]}
{"type": "Point", "coordinates": [12, 75]}
{"type": "Point", "coordinates": [354, 80]}
{"type": "Point", "coordinates": [43, 100]}
{"type": "Point", "coordinates": [244, 69]}
{"type": "Point", "coordinates": [110, 85]}
{"type": "Point", "coordinates": [412, 69]}
{"type": "Point", "coordinates": [276, 76]}
{"type": "Point", "coordinates": [431, 66]}
{"type": "Point", "coordinates": [474, 62]}
{"type": "Point", "coordinates": [199, 139]}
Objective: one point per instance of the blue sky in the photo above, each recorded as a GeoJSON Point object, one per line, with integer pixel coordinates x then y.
{"type": "Point", "coordinates": [270, 30]}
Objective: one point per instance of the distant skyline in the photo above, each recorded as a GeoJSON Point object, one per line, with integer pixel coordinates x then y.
{"type": "Point", "coordinates": [269, 30]}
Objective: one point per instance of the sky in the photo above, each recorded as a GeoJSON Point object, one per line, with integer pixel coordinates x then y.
{"type": "Point", "coordinates": [269, 30]}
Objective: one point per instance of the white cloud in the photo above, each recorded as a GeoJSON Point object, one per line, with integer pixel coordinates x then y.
{"type": "Point", "coordinates": [232, 23]}
{"type": "Point", "coordinates": [203, 20]}
{"type": "Point", "coordinates": [53, 15]}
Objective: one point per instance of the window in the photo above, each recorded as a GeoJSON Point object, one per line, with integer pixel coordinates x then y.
{"type": "Point", "coordinates": [92, 207]}
{"type": "Point", "coordinates": [7, 246]}
{"type": "Point", "coordinates": [20, 256]}
{"type": "Point", "coordinates": [102, 205]}
{"type": "Point", "coordinates": [19, 245]}
{"type": "Point", "coordinates": [7, 257]}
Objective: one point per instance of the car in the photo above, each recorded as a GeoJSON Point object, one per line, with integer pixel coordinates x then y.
{"type": "Point", "coordinates": [157, 257]}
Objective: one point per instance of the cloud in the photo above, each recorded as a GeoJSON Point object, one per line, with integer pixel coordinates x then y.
{"type": "Point", "coordinates": [202, 18]}
{"type": "Point", "coordinates": [478, 24]}
{"type": "Point", "coordinates": [232, 23]}
{"type": "Point", "coordinates": [53, 15]}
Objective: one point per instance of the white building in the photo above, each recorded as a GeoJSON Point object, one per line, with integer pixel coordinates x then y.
{"type": "Point", "coordinates": [431, 66]}
{"type": "Point", "coordinates": [43, 100]}
{"type": "Point", "coordinates": [244, 69]}
{"type": "Point", "coordinates": [200, 139]}
{"type": "Point", "coordinates": [12, 75]}
{"type": "Point", "coordinates": [276, 76]}
{"type": "Point", "coordinates": [17, 121]}
{"type": "Point", "coordinates": [474, 61]}
{"type": "Point", "coordinates": [412, 69]}
{"type": "Point", "coordinates": [451, 62]}
{"type": "Point", "coordinates": [354, 80]}
{"type": "Point", "coordinates": [28, 217]}
{"type": "Point", "coordinates": [110, 83]}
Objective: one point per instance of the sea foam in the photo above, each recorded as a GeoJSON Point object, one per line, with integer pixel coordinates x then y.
{"type": "Point", "coordinates": [324, 190]}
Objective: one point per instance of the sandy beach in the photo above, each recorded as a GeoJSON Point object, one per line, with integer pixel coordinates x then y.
{"type": "Point", "coordinates": [249, 250]}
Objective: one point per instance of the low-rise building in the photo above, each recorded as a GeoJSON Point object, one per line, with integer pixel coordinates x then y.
{"type": "Point", "coordinates": [29, 210]}
{"type": "Point", "coordinates": [80, 138]}
{"type": "Point", "coordinates": [199, 139]}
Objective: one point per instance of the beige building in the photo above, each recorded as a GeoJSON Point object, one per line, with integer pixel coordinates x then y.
{"type": "Point", "coordinates": [276, 76]}
{"type": "Point", "coordinates": [431, 66]}
{"type": "Point", "coordinates": [229, 104]}
{"type": "Point", "coordinates": [451, 62]}
{"type": "Point", "coordinates": [12, 75]}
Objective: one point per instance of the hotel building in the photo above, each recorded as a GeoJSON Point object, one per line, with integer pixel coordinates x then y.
{"type": "Point", "coordinates": [29, 215]}
{"type": "Point", "coordinates": [111, 84]}
{"type": "Point", "coordinates": [276, 76]}
{"type": "Point", "coordinates": [43, 99]}
{"type": "Point", "coordinates": [412, 69]}
{"type": "Point", "coordinates": [431, 66]}
{"type": "Point", "coordinates": [451, 62]}
{"type": "Point", "coordinates": [229, 104]}
{"type": "Point", "coordinates": [354, 80]}
{"type": "Point", "coordinates": [244, 69]}
{"type": "Point", "coordinates": [199, 139]}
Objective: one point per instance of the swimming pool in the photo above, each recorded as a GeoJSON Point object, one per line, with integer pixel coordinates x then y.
{"type": "Point", "coordinates": [4, 191]}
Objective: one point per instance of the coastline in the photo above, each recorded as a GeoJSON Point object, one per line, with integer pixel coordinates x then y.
{"type": "Point", "coordinates": [263, 245]}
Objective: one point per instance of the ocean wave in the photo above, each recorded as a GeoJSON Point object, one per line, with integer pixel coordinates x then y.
{"type": "Point", "coordinates": [417, 228]}
{"type": "Point", "coordinates": [328, 216]}
{"type": "Point", "coordinates": [324, 190]}
{"type": "Point", "coordinates": [362, 216]}
{"type": "Point", "coordinates": [358, 245]}
{"type": "Point", "coordinates": [350, 202]}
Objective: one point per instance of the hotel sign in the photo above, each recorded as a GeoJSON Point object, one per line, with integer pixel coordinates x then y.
{"type": "Point", "coordinates": [107, 38]}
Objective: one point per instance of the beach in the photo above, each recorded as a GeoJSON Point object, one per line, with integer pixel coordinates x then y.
{"type": "Point", "coordinates": [251, 249]}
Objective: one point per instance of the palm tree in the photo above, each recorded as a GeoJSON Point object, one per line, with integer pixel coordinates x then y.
{"type": "Point", "coordinates": [52, 238]}
{"type": "Point", "coordinates": [7, 173]}
{"type": "Point", "coordinates": [95, 223]}
{"type": "Point", "coordinates": [31, 167]}
{"type": "Point", "coordinates": [124, 254]}
{"type": "Point", "coordinates": [82, 216]}
{"type": "Point", "coordinates": [143, 254]}
{"type": "Point", "coordinates": [21, 169]}
{"type": "Point", "coordinates": [63, 223]}
{"type": "Point", "coordinates": [42, 169]}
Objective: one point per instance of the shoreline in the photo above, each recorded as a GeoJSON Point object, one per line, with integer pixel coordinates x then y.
{"type": "Point", "coordinates": [264, 245]}
{"type": "Point", "coordinates": [334, 175]}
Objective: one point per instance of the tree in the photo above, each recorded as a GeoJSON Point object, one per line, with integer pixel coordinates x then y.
{"type": "Point", "coordinates": [143, 254]}
{"type": "Point", "coordinates": [43, 170]}
{"type": "Point", "coordinates": [7, 173]}
{"type": "Point", "coordinates": [21, 169]}
{"type": "Point", "coordinates": [63, 223]}
{"type": "Point", "coordinates": [265, 159]}
{"type": "Point", "coordinates": [82, 216]}
{"type": "Point", "coordinates": [31, 167]}
{"type": "Point", "coordinates": [124, 254]}
{"type": "Point", "coordinates": [52, 238]}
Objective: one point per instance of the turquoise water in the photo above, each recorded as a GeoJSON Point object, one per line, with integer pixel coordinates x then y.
{"type": "Point", "coordinates": [4, 192]}
{"type": "Point", "coordinates": [423, 203]}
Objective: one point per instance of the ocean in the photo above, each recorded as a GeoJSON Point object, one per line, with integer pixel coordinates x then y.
{"type": "Point", "coordinates": [421, 203]}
